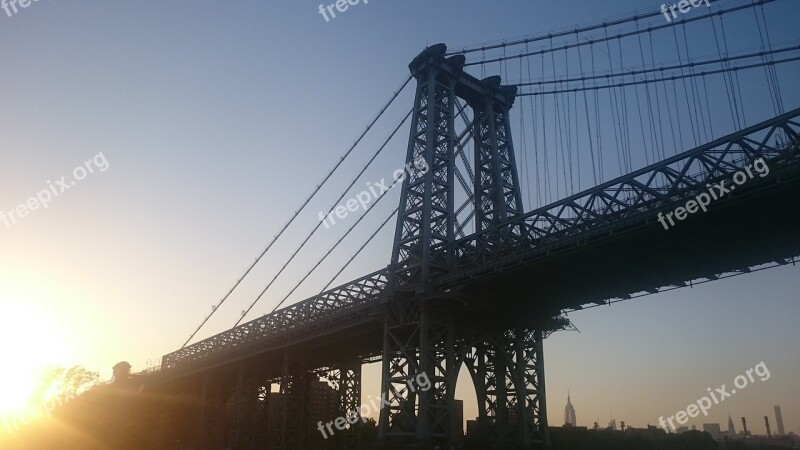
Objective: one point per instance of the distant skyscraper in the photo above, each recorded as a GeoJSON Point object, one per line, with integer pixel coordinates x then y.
{"type": "Point", "coordinates": [569, 413]}
{"type": "Point", "coordinates": [779, 420]}
{"type": "Point", "coordinates": [731, 430]}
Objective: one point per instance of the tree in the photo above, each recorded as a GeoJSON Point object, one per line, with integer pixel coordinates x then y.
{"type": "Point", "coordinates": [58, 385]}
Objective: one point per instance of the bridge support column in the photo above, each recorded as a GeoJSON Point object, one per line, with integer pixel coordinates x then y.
{"type": "Point", "coordinates": [202, 412]}
{"type": "Point", "coordinates": [419, 376]}
{"type": "Point", "coordinates": [260, 420]}
{"type": "Point", "coordinates": [508, 373]}
{"type": "Point", "coordinates": [527, 378]}
{"type": "Point", "coordinates": [293, 429]}
{"type": "Point", "coordinates": [486, 364]}
{"type": "Point", "coordinates": [350, 403]}
{"type": "Point", "coordinates": [497, 193]}
{"type": "Point", "coordinates": [346, 380]}
{"type": "Point", "coordinates": [426, 220]}
{"type": "Point", "coordinates": [241, 410]}
{"type": "Point", "coordinates": [210, 429]}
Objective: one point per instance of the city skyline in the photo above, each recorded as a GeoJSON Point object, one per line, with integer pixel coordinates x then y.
{"type": "Point", "coordinates": [570, 419]}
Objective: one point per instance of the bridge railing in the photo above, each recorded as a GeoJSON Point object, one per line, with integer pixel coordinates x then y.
{"type": "Point", "coordinates": [658, 187]}
{"type": "Point", "coordinates": [320, 309]}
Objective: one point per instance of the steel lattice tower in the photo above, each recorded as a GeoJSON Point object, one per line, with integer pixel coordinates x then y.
{"type": "Point", "coordinates": [422, 333]}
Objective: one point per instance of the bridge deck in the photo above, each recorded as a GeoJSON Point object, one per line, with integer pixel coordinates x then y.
{"type": "Point", "coordinates": [601, 244]}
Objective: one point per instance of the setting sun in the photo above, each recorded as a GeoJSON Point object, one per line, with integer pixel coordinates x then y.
{"type": "Point", "coordinates": [29, 345]}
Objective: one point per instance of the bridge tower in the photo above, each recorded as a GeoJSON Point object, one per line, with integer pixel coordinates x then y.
{"type": "Point", "coordinates": [425, 337]}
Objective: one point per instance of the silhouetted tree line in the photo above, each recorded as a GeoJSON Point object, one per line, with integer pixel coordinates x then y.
{"type": "Point", "coordinates": [572, 439]}
{"type": "Point", "coordinates": [582, 439]}
{"type": "Point", "coordinates": [120, 416]}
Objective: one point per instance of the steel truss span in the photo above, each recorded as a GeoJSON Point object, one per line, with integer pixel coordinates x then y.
{"type": "Point", "coordinates": [634, 197]}
{"type": "Point", "coordinates": [346, 302]}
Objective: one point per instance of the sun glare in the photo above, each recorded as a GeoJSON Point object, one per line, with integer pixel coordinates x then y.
{"type": "Point", "coordinates": [29, 343]}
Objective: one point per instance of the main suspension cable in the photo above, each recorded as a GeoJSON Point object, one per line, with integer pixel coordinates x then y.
{"type": "Point", "coordinates": [705, 62]}
{"type": "Point", "coordinates": [636, 17]}
{"type": "Point", "coordinates": [341, 239]}
{"type": "Point", "coordinates": [302, 206]}
{"type": "Point", "coordinates": [352, 258]}
{"type": "Point", "coordinates": [305, 241]}
{"type": "Point", "coordinates": [657, 80]}
{"type": "Point", "coordinates": [620, 35]}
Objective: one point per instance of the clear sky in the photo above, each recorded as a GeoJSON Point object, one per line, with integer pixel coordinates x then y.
{"type": "Point", "coordinates": [207, 123]}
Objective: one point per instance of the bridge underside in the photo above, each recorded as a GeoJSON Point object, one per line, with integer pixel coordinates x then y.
{"type": "Point", "coordinates": [754, 226]}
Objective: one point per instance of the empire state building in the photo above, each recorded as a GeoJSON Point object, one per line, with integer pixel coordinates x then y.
{"type": "Point", "coordinates": [569, 413]}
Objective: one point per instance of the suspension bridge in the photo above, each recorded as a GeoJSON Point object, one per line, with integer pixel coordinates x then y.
{"type": "Point", "coordinates": [620, 123]}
